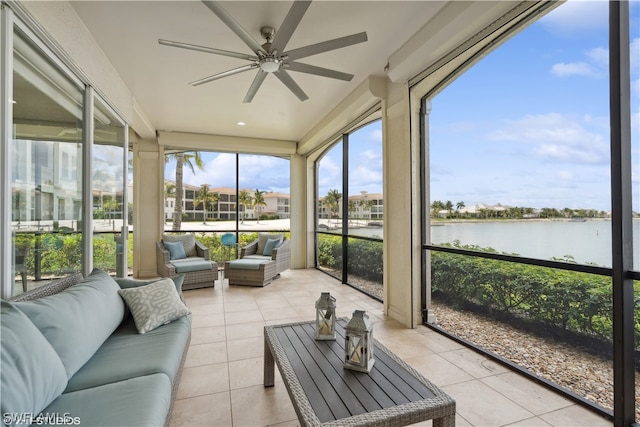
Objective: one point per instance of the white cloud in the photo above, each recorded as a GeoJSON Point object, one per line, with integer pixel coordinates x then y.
{"type": "Point", "coordinates": [596, 66]}
{"type": "Point", "coordinates": [634, 52]}
{"type": "Point", "coordinates": [370, 155]}
{"type": "Point", "coordinates": [575, 68]}
{"type": "Point", "coordinates": [329, 174]}
{"type": "Point", "coordinates": [599, 56]}
{"type": "Point", "coordinates": [363, 177]}
{"type": "Point", "coordinates": [376, 135]}
{"type": "Point", "coordinates": [576, 16]}
{"type": "Point", "coordinates": [556, 137]}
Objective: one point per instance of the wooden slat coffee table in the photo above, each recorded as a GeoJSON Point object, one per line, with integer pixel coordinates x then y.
{"type": "Point", "coordinates": [324, 393]}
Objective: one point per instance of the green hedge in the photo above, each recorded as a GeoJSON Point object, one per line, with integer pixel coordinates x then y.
{"type": "Point", "coordinates": [61, 253]}
{"type": "Point", "coordinates": [566, 300]}
{"type": "Point", "coordinates": [365, 256]}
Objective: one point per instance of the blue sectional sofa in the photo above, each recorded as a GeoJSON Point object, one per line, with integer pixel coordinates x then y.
{"type": "Point", "coordinates": [93, 351]}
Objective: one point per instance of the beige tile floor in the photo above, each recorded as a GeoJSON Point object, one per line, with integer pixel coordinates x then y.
{"type": "Point", "coordinates": [221, 383]}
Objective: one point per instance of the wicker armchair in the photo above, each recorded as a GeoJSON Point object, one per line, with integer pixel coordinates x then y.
{"type": "Point", "coordinates": [201, 277]}
{"type": "Point", "coordinates": [281, 255]}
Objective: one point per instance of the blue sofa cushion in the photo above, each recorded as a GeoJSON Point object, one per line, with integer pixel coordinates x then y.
{"type": "Point", "coordinates": [77, 320]}
{"type": "Point", "coordinates": [176, 250]}
{"type": "Point", "coordinates": [187, 265]}
{"type": "Point", "coordinates": [32, 373]}
{"type": "Point", "coordinates": [141, 401]}
{"type": "Point", "coordinates": [127, 354]}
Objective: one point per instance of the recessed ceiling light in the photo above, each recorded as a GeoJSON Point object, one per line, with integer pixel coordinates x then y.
{"type": "Point", "coordinates": [240, 123]}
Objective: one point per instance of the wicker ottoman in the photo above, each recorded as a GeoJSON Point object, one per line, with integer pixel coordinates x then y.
{"type": "Point", "coordinates": [249, 272]}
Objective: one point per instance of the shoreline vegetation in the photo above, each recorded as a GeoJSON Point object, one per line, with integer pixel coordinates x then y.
{"type": "Point", "coordinates": [476, 220]}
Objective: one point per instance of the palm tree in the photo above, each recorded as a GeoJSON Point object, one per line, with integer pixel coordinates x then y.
{"type": "Point", "coordinates": [206, 198]}
{"type": "Point", "coordinates": [459, 206]}
{"type": "Point", "coordinates": [449, 207]}
{"type": "Point", "coordinates": [181, 160]}
{"type": "Point", "coordinates": [245, 199]}
{"type": "Point", "coordinates": [258, 202]}
{"type": "Point", "coordinates": [436, 207]}
{"type": "Point", "coordinates": [332, 200]}
{"type": "Point", "coordinates": [110, 207]}
{"type": "Point", "coordinates": [367, 205]}
{"type": "Point", "coordinates": [352, 207]}
{"type": "Point", "coordinates": [169, 192]}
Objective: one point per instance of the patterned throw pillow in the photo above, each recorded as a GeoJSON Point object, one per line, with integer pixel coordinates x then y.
{"type": "Point", "coordinates": [188, 241]}
{"type": "Point", "coordinates": [154, 305]}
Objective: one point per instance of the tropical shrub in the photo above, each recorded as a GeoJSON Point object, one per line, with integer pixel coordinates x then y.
{"type": "Point", "coordinates": [561, 300]}
{"type": "Point", "coordinates": [365, 256]}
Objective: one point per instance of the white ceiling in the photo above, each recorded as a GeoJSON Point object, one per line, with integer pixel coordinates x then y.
{"type": "Point", "coordinates": [158, 76]}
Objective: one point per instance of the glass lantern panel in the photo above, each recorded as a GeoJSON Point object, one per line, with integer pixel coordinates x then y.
{"type": "Point", "coordinates": [324, 324]}
{"type": "Point", "coordinates": [355, 349]}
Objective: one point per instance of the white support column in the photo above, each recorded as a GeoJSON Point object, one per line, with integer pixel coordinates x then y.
{"type": "Point", "coordinates": [399, 242]}
{"type": "Point", "coordinates": [298, 211]}
{"type": "Point", "coordinates": [87, 181]}
{"type": "Point", "coordinates": [148, 211]}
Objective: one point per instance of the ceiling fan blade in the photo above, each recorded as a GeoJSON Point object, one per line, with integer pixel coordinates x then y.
{"type": "Point", "coordinates": [234, 26]}
{"type": "Point", "coordinates": [319, 71]}
{"type": "Point", "coordinates": [207, 49]}
{"type": "Point", "coordinates": [326, 46]}
{"type": "Point", "coordinates": [289, 25]}
{"type": "Point", "coordinates": [285, 78]}
{"type": "Point", "coordinates": [257, 82]}
{"type": "Point", "coordinates": [224, 74]}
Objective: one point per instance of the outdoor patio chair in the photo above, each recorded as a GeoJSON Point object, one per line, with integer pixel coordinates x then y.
{"type": "Point", "coordinates": [183, 254]}
{"type": "Point", "coordinates": [280, 253]}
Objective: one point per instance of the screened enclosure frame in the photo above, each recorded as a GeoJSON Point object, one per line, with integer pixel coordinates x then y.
{"type": "Point", "coordinates": [622, 272]}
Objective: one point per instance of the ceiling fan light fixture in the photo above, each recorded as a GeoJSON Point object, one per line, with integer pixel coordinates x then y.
{"type": "Point", "coordinates": [270, 65]}
{"type": "Point", "coordinates": [272, 57]}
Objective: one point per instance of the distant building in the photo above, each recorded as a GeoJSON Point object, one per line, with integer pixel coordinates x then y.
{"type": "Point", "coordinates": [277, 204]}
{"type": "Point", "coordinates": [362, 206]}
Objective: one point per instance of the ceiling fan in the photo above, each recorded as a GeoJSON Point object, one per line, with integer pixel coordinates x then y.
{"type": "Point", "coordinates": [270, 57]}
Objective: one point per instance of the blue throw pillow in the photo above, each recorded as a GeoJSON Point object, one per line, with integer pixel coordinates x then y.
{"type": "Point", "coordinates": [32, 373]}
{"type": "Point", "coordinates": [77, 320]}
{"type": "Point", "coordinates": [270, 246]}
{"type": "Point", "coordinates": [176, 250]}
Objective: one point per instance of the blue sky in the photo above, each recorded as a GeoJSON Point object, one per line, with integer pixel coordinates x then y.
{"type": "Point", "coordinates": [526, 126]}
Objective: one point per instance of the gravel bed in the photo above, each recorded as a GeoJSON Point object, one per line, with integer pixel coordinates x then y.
{"type": "Point", "coordinates": [580, 372]}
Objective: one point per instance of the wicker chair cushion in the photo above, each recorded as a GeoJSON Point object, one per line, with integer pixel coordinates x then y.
{"type": "Point", "coordinates": [262, 240]}
{"type": "Point", "coordinates": [247, 263]}
{"type": "Point", "coordinates": [187, 265]}
{"type": "Point", "coordinates": [32, 373]}
{"type": "Point", "coordinates": [188, 241]}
